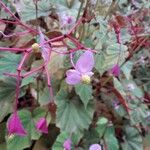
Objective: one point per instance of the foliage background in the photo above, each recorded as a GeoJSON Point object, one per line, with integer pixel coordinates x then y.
{"type": "Point", "coordinates": [87, 114]}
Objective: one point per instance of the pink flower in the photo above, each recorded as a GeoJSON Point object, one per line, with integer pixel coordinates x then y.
{"type": "Point", "coordinates": [115, 70]}
{"type": "Point", "coordinates": [95, 147]}
{"type": "Point", "coordinates": [15, 126]}
{"type": "Point", "coordinates": [82, 71]}
{"type": "Point", "coordinates": [67, 144]}
{"type": "Point", "coordinates": [66, 20]}
{"type": "Point", "coordinates": [41, 125]}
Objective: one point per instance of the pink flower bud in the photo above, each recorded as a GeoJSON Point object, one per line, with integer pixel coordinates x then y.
{"type": "Point", "coordinates": [41, 125]}
{"type": "Point", "coordinates": [67, 144]}
{"type": "Point", "coordinates": [115, 70]}
{"type": "Point", "coordinates": [15, 126]}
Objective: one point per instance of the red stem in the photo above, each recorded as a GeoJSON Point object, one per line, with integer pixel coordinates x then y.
{"type": "Point", "coordinates": [23, 59]}
{"type": "Point", "coordinates": [25, 26]}
{"type": "Point", "coordinates": [17, 90]}
{"type": "Point", "coordinates": [32, 71]}
{"type": "Point", "coordinates": [8, 21]}
{"type": "Point", "coordinates": [59, 38]}
{"type": "Point", "coordinates": [75, 26]}
{"type": "Point", "coordinates": [12, 49]}
{"type": "Point", "coordinates": [15, 34]}
{"type": "Point", "coordinates": [49, 85]}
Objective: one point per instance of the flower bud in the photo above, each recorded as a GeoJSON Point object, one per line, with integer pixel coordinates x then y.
{"type": "Point", "coordinates": [35, 47]}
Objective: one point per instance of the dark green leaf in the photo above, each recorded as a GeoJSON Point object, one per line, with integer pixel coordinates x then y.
{"type": "Point", "coordinates": [101, 126]}
{"type": "Point", "coordinates": [71, 114]}
{"type": "Point", "coordinates": [62, 137]}
{"type": "Point", "coordinates": [7, 89]}
{"type": "Point", "coordinates": [85, 93]}
{"type": "Point", "coordinates": [110, 139]}
{"type": "Point", "coordinates": [9, 62]}
{"type": "Point", "coordinates": [133, 139]}
{"type": "Point", "coordinates": [127, 68]}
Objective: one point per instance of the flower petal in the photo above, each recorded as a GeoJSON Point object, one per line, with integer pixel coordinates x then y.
{"type": "Point", "coordinates": [15, 126]}
{"type": "Point", "coordinates": [85, 63]}
{"type": "Point", "coordinates": [89, 73]}
{"type": "Point", "coordinates": [73, 77]}
{"type": "Point", "coordinates": [95, 147]}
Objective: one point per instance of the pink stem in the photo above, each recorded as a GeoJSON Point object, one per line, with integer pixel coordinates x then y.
{"type": "Point", "coordinates": [58, 46]}
{"type": "Point", "coordinates": [15, 34]}
{"type": "Point", "coordinates": [54, 39]}
{"type": "Point", "coordinates": [32, 71]}
{"type": "Point", "coordinates": [8, 21]}
{"type": "Point", "coordinates": [49, 85]}
{"type": "Point", "coordinates": [12, 49]}
{"type": "Point", "coordinates": [11, 74]}
{"type": "Point", "coordinates": [132, 28]}
{"type": "Point", "coordinates": [23, 59]}
{"type": "Point", "coordinates": [75, 26]}
{"type": "Point", "coordinates": [71, 59]}
{"type": "Point", "coordinates": [26, 74]}
{"type": "Point", "coordinates": [7, 10]}
{"type": "Point", "coordinates": [17, 90]}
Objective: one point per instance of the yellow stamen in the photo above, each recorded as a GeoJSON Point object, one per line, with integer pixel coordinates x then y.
{"type": "Point", "coordinates": [86, 79]}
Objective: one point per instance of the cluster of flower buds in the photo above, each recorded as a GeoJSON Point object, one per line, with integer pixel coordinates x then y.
{"type": "Point", "coordinates": [15, 127]}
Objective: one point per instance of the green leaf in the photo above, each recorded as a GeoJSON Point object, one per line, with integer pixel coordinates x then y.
{"type": "Point", "coordinates": [62, 137]}
{"type": "Point", "coordinates": [2, 131]}
{"type": "Point", "coordinates": [110, 139]}
{"type": "Point", "coordinates": [120, 111]}
{"type": "Point", "coordinates": [3, 13]}
{"type": "Point", "coordinates": [136, 91]}
{"type": "Point", "coordinates": [58, 145]}
{"type": "Point", "coordinates": [27, 81]}
{"type": "Point", "coordinates": [111, 142]}
{"type": "Point", "coordinates": [44, 96]}
{"type": "Point", "coordinates": [133, 139]}
{"type": "Point", "coordinates": [9, 62]}
{"type": "Point", "coordinates": [90, 137]}
{"type": "Point", "coordinates": [7, 89]}
{"type": "Point", "coordinates": [115, 48]}
{"type": "Point", "coordinates": [101, 126]}
{"type": "Point", "coordinates": [27, 9]}
{"type": "Point", "coordinates": [139, 114]}
{"type": "Point", "coordinates": [118, 85]}
{"type": "Point", "coordinates": [85, 93]}
{"type": "Point", "coordinates": [3, 146]}
{"type": "Point", "coordinates": [99, 62]}
{"type": "Point", "coordinates": [127, 68]}
{"type": "Point", "coordinates": [71, 114]}
{"type": "Point", "coordinates": [63, 7]}
{"type": "Point", "coordinates": [5, 108]}
{"type": "Point", "coordinates": [56, 63]}
{"type": "Point", "coordinates": [105, 60]}
{"type": "Point", "coordinates": [28, 121]}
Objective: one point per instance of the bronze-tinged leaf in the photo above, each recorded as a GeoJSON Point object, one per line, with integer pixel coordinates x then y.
{"type": "Point", "coordinates": [53, 34]}
{"type": "Point", "coordinates": [121, 21]}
